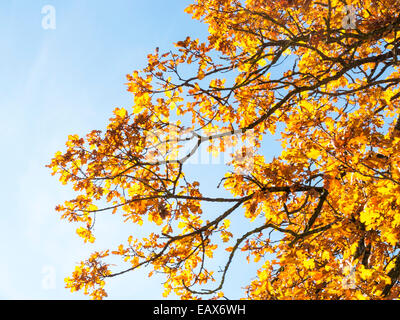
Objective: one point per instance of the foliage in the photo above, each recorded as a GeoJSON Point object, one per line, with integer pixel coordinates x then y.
{"type": "Point", "coordinates": [325, 74]}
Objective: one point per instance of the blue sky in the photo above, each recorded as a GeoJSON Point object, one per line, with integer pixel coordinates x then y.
{"type": "Point", "coordinates": [59, 82]}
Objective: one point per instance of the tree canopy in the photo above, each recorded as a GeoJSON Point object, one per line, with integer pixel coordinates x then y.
{"type": "Point", "coordinates": [323, 76]}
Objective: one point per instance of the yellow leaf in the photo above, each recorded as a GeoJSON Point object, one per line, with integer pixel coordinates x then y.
{"type": "Point", "coordinates": [227, 223]}
{"type": "Point", "coordinates": [313, 154]}
{"type": "Point", "coordinates": [262, 62]}
{"type": "Point", "coordinates": [138, 108]}
{"type": "Point", "coordinates": [181, 225]}
{"type": "Point", "coordinates": [309, 264]}
{"type": "Point", "coordinates": [121, 112]}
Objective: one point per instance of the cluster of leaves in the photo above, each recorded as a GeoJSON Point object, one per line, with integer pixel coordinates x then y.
{"type": "Point", "coordinates": [331, 197]}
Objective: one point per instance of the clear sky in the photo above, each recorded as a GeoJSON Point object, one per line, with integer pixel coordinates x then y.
{"type": "Point", "coordinates": [59, 82]}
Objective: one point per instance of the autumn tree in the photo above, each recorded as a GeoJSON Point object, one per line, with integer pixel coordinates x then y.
{"type": "Point", "coordinates": [323, 76]}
